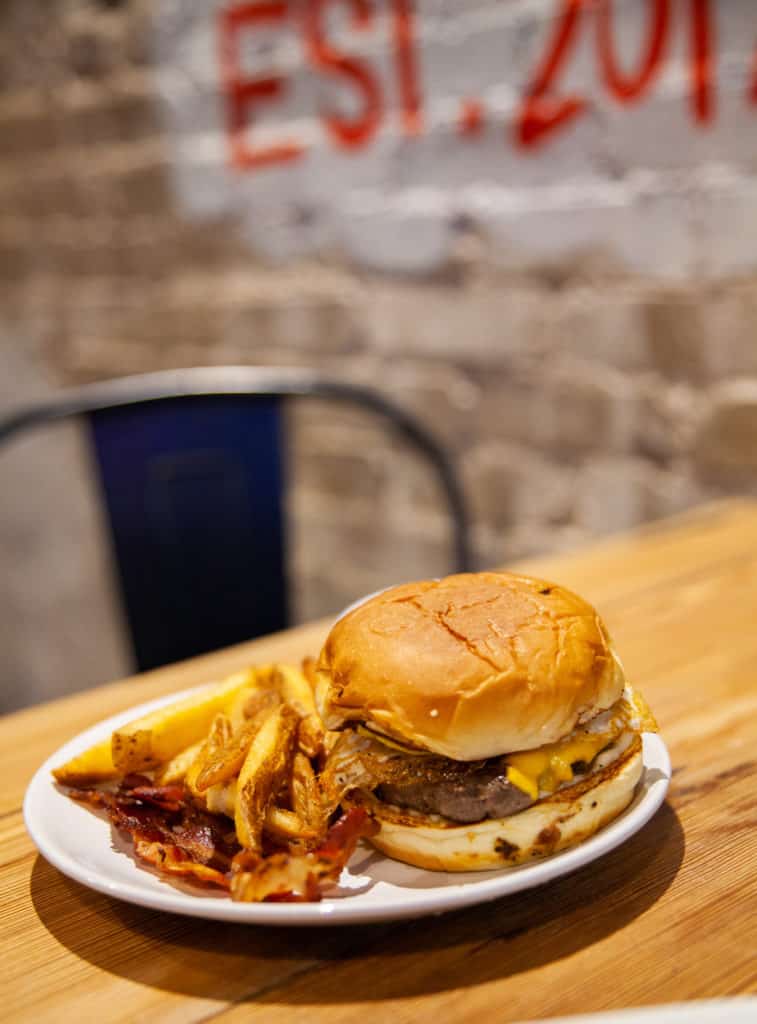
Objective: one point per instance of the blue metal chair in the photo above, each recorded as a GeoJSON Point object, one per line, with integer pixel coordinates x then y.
{"type": "Point", "coordinates": [191, 467]}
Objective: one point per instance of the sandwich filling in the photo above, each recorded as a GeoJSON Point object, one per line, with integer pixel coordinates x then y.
{"type": "Point", "coordinates": [466, 792]}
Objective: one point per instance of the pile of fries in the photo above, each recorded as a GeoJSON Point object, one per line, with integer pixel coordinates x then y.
{"type": "Point", "coordinates": [251, 750]}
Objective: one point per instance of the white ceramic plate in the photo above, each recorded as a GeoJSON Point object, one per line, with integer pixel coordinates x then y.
{"type": "Point", "coordinates": [372, 887]}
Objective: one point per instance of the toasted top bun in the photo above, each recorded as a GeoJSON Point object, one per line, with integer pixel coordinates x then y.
{"type": "Point", "coordinates": [471, 666]}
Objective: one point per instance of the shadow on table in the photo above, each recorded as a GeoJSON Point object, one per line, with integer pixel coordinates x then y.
{"type": "Point", "coordinates": [236, 962]}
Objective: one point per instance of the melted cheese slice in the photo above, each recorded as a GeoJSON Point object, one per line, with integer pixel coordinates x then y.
{"type": "Point", "coordinates": [542, 771]}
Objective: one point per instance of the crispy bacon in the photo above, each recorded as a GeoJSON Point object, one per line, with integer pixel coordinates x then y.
{"type": "Point", "coordinates": [100, 799]}
{"type": "Point", "coordinates": [288, 877]}
{"type": "Point", "coordinates": [173, 861]}
{"type": "Point", "coordinates": [168, 798]}
{"type": "Point", "coordinates": [173, 835]}
{"type": "Point", "coordinates": [343, 836]}
{"type": "Point", "coordinates": [167, 830]}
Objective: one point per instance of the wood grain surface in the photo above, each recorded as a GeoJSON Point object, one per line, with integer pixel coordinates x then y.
{"type": "Point", "coordinates": [671, 915]}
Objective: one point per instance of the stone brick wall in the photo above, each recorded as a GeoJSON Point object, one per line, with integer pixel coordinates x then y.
{"type": "Point", "coordinates": [586, 353]}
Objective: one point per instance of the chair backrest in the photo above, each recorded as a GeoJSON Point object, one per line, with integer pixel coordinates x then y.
{"type": "Point", "coordinates": [193, 491]}
{"type": "Point", "coordinates": [191, 469]}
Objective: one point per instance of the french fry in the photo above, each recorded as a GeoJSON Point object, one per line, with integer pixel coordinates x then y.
{"type": "Point", "coordinates": [286, 825]}
{"type": "Point", "coordinates": [295, 689]}
{"type": "Point", "coordinates": [310, 736]}
{"type": "Point", "coordinates": [222, 798]}
{"type": "Point", "coordinates": [306, 795]}
{"type": "Point", "coordinates": [224, 760]}
{"type": "Point", "coordinates": [279, 823]}
{"type": "Point", "coordinates": [176, 769]}
{"type": "Point", "coordinates": [259, 684]}
{"type": "Point", "coordinates": [152, 740]}
{"type": "Point", "coordinates": [190, 778]}
{"type": "Point", "coordinates": [266, 765]}
{"type": "Point", "coordinates": [218, 736]}
{"type": "Point", "coordinates": [262, 699]}
{"type": "Point", "coordinates": [92, 766]}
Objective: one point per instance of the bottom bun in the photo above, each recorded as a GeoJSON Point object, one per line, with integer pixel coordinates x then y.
{"type": "Point", "coordinates": [564, 819]}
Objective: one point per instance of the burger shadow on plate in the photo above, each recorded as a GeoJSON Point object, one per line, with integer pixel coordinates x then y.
{"type": "Point", "coordinates": [238, 963]}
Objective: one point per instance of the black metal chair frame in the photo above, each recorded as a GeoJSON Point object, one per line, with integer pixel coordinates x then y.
{"type": "Point", "coordinates": [254, 381]}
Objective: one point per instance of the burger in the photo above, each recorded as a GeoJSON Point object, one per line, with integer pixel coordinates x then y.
{"type": "Point", "coordinates": [483, 719]}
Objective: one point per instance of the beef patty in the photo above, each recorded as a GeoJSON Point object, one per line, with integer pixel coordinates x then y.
{"type": "Point", "coordinates": [470, 797]}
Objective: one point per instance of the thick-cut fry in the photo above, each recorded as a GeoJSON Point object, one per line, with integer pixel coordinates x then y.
{"type": "Point", "coordinates": [310, 736]}
{"type": "Point", "coordinates": [94, 765]}
{"type": "Point", "coordinates": [295, 689]}
{"type": "Point", "coordinates": [224, 760]}
{"type": "Point", "coordinates": [218, 736]}
{"type": "Point", "coordinates": [222, 798]}
{"type": "Point", "coordinates": [306, 795]}
{"type": "Point", "coordinates": [260, 685]}
{"type": "Point", "coordinates": [157, 737]}
{"type": "Point", "coordinates": [279, 822]}
{"type": "Point", "coordinates": [223, 764]}
{"type": "Point", "coordinates": [177, 767]}
{"type": "Point", "coordinates": [261, 699]}
{"type": "Point", "coordinates": [265, 768]}
{"type": "Point", "coordinates": [190, 778]}
{"type": "Point", "coordinates": [283, 824]}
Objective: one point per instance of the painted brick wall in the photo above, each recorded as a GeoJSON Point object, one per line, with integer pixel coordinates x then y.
{"type": "Point", "coordinates": [619, 131]}
{"type": "Point", "coordinates": [574, 318]}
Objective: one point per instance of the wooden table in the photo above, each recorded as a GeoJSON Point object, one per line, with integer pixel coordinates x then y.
{"type": "Point", "coordinates": [670, 915]}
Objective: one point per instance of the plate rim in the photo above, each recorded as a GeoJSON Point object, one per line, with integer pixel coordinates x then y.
{"type": "Point", "coordinates": [344, 910]}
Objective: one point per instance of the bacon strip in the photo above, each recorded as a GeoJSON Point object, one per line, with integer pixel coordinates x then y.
{"type": "Point", "coordinates": [171, 834]}
{"type": "Point", "coordinates": [167, 830]}
{"type": "Point", "coordinates": [167, 798]}
{"type": "Point", "coordinates": [173, 861]}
